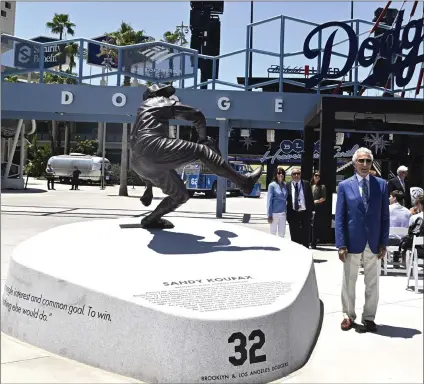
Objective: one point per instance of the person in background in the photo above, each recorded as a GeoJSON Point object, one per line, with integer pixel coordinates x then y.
{"type": "Point", "coordinates": [362, 230]}
{"type": "Point", "coordinates": [75, 179]}
{"type": "Point", "coordinates": [300, 208]}
{"type": "Point", "coordinates": [374, 173]}
{"type": "Point", "coordinates": [319, 195]}
{"type": "Point", "coordinates": [399, 215]}
{"type": "Point", "coordinates": [50, 177]}
{"type": "Point", "coordinates": [420, 210]}
{"type": "Point", "coordinates": [400, 183]}
{"type": "Point", "coordinates": [399, 218]}
{"type": "Point", "coordinates": [415, 193]}
{"type": "Point", "coordinates": [276, 203]}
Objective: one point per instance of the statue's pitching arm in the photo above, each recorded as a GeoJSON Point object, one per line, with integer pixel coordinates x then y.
{"type": "Point", "coordinates": [185, 112]}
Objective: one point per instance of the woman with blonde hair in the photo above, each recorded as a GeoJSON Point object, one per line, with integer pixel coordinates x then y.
{"type": "Point", "coordinates": [277, 202]}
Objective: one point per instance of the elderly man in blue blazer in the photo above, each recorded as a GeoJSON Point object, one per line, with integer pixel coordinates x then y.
{"type": "Point", "coordinates": [362, 230]}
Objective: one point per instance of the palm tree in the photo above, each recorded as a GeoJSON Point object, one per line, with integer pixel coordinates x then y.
{"type": "Point", "coordinates": [174, 38]}
{"type": "Point", "coordinates": [125, 35]}
{"type": "Point", "coordinates": [61, 25]}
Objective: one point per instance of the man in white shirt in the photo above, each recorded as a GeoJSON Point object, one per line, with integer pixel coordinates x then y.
{"type": "Point", "coordinates": [399, 215]}
{"type": "Point", "coordinates": [399, 218]}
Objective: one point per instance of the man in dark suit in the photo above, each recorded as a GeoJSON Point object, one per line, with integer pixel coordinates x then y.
{"type": "Point", "coordinates": [362, 231]}
{"type": "Point", "coordinates": [300, 207]}
{"type": "Point", "coordinates": [400, 183]}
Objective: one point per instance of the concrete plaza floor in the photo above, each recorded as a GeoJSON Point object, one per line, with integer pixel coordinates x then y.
{"type": "Point", "coordinates": [394, 354]}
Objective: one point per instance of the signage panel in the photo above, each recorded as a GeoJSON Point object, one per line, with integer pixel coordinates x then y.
{"type": "Point", "coordinates": [28, 55]}
{"type": "Point", "coordinates": [402, 44]}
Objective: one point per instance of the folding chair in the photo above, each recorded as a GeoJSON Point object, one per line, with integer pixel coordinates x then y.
{"type": "Point", "coordinates": [401, 231]}
{"type": "Point", "coordinates": [412, 261]}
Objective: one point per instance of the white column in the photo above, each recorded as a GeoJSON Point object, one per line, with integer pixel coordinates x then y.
{"type": "Point", "coordinates": [3, 150]}
{"type": "Point", "coordinates": [67, 139]}
{"type": "Point", "coordinates": [22, 152]}
{"type": "Point", "coordinates": [13, 148]}
{"type": "Point", "coordinates": [100, 130]}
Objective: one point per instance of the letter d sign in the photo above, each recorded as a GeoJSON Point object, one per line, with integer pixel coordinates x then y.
{"type": "Point", "coordinates": [67, 98]}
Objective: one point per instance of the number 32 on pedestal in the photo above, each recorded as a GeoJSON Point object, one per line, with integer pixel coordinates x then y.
{"type": "Point", "coordinates": [241, 348]}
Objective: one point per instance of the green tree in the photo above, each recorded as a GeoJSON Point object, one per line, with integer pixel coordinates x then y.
{"type": "Point", "coordinates": [61, 25]}
{"type": "Point", "coordinates": [88, 147]}
{"type": "Point", "coordinates": [175, 37]}
{"type": "Point", "coordinates": [125, 35]}
{"type": "Point", "coordinates": [72, 51]}
{"type": "Point", "coordinates": [39, 156]}
{"type": "Point", "coordinates": [12, 79]}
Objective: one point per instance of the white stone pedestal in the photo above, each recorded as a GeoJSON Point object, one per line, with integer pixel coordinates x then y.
{"type": "Point", "coordinates": [203, 302]}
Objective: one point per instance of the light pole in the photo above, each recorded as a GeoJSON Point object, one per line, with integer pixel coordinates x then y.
{"type": "Point", "coordinates": [182, 31]}
{"type": "Point", "coordinates": [351, 24]}
{"type": "Point", "coordinates": [251, 42]}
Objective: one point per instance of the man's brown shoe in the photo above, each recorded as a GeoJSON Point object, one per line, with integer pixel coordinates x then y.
{"type": "Point", "coordinates": [347, 324]}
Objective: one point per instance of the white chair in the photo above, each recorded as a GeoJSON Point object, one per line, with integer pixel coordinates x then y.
{"type": "Point", "coordinates": [401, 231]}
{"type": "Point", "coordinates": [412, 261]}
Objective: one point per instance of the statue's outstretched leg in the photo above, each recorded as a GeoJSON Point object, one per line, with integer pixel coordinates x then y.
{"type": "Point", "coordinates": [172, 185]}
{"type": "Point", "coordinates": [147, 197]}
{"type": "Point", "coordinates": [220, 167]}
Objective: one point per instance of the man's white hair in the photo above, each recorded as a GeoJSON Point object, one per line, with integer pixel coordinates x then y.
{"type": "Point", "coordinates": [296, 168]}
{"type": "Point", "coordinates": [362, 150]}
{"type": "Point", "coordinates": [402, 168]}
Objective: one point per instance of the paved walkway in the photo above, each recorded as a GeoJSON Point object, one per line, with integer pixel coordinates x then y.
{"type": "Point", "coordinates": [395, 354]}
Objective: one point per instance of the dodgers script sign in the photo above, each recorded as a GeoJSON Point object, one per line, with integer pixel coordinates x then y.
{"type": "Point", "coordinates": [400, 45]}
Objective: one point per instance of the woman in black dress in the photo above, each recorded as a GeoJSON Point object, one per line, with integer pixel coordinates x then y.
{"type": "Point", "coordinates": [319, 195]}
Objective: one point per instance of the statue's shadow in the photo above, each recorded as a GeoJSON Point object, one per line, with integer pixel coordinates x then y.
{"type": "Point", "coordinates": [174, 243]}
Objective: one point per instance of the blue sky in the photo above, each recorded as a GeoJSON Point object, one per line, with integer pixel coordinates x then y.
{"type": "Point", "coordinates": [93, 19]}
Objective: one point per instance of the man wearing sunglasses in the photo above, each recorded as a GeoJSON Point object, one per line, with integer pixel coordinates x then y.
{"type": "Point", "coordinates": [362, 230]}
{"type": "Point", "coordinates": [300, 207]}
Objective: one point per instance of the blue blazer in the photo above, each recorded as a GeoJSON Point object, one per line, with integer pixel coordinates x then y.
{"type": "Point", "coordinates": [356, 227]}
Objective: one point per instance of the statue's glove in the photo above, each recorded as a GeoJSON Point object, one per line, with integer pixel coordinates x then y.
{"type": "Point", "coordinates": [209, 142]}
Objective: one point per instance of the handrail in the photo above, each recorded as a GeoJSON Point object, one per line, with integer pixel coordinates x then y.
{"type": "Point", "coordinates": [191, 72]}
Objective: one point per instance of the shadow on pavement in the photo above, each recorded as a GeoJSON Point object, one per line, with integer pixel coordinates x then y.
{"type": "Point", "coordinates": [175, 243]}
{"type": "Point", "coordinates": [23, 191]}
{"type": "Point", "coordinates": [319, 261]}
{"type": "Point", "coordinates": [397, 332]}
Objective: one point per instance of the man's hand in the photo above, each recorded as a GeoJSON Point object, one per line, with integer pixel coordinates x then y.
{"type": "Point", "coordinates": [342, 254]}
{"type": "Point", "coordinates": [381, 251]}
{"type": "Point", "coordinates": [269, 219]}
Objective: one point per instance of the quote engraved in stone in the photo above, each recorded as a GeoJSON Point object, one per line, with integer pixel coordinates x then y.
{"type": "Point", "coordinates": [219, 296]}
{"type": "Point", "coordinates": [43, 311]}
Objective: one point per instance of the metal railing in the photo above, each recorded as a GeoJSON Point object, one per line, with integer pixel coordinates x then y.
{"type": "Point", "coordinates": [191, 73]}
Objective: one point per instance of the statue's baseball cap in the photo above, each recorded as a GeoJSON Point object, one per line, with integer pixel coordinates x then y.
{"type": "Point", "coordinates": [157, 90]}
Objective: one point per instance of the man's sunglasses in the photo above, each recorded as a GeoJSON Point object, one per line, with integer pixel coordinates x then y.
{"type": "Point", "coordinates": [296, 173]}
{"type": "Point", "coordinates": [316, 175]}
{"type": "Point", "coordinates": [364, 161]}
